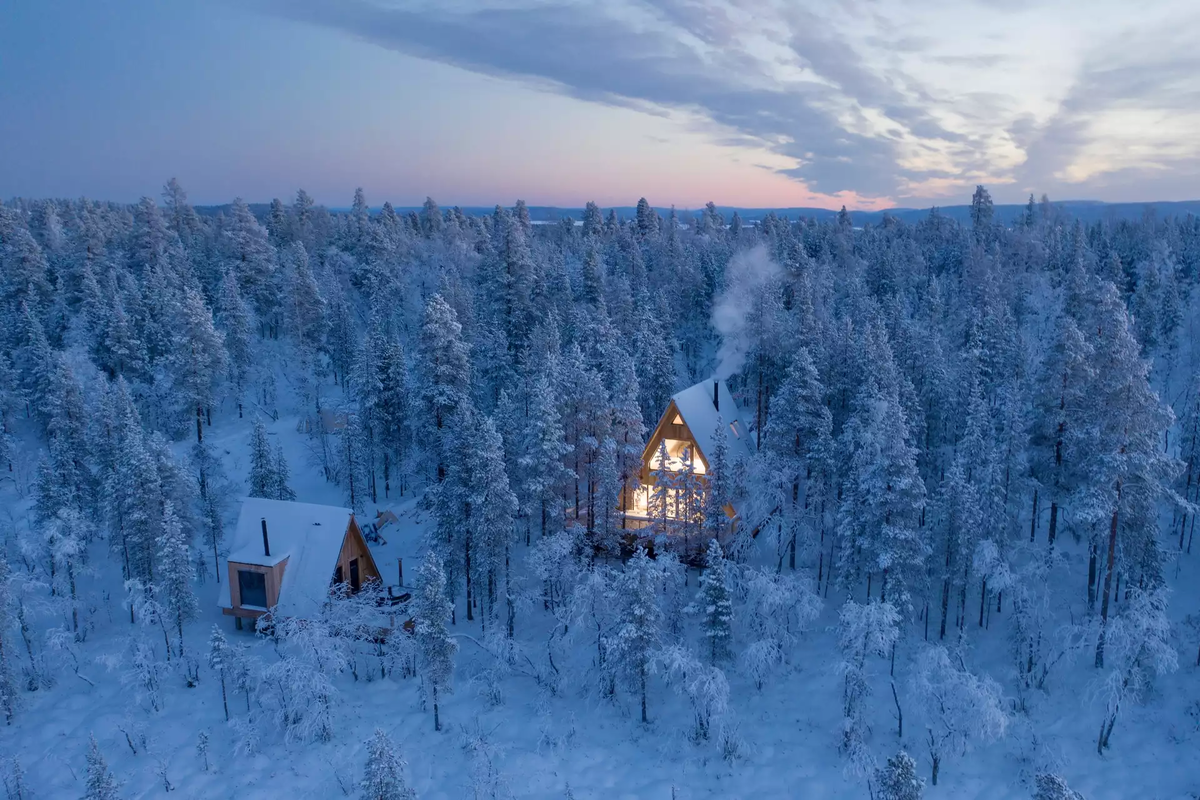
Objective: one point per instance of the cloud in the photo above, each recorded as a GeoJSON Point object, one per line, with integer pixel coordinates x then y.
{"type": "Point", "coordinates": [1128, 121]}
{"type": "Point", "coordinates": [879, 98]}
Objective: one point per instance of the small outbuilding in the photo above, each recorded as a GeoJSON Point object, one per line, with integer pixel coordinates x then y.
{"type": "Point", "coordinates": [287, 556]}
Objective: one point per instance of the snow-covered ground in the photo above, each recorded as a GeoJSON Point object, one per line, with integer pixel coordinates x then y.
{"type": "Point", "coordinates": [576, 743]}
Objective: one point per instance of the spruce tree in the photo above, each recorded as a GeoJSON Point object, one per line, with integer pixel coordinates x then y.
{"type": "Point", "coordinates": [715, 603]}
{"type": "Point", "coordinates": [101, 783]}
{"type": "Point", "coordinates": [280, 487]}
{"type": "Point", "coordinates": [173, 573]}
{"type": "Point", "coordinates": [435, 647]}
{"type": "Point", "coordinates": [264, 478]}
{"type": "Point", "coordinates": [898, 780]}
{"type": "Point", "coordinates": [383, 778]}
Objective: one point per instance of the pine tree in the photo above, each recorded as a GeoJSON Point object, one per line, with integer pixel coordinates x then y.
{"type": "Point", "coordinates": [435, 648]}
{"type": "Point", "coordinates": [543, 474]}
{"type": "Point", "coordinates": [899, 780]}
{"type": "Point", "coordinates": [882, 503]}
{"type": "Point", "coordinates": [715, 603]}
{"type": "Point", "coordinates": [1129, 472]}
{"type": "Point", "coordinates": [1048, 786]}
{"type": "Point", "coordinates": [496, 508]}
{"type": "Point", "coordinates": [252, 258]}
{"type": "Point", "coordinates": [173, 572]}
{"type": "Point", "coordinates": [264, 477]}
{"type": "Point", "coordinates": [383, 778]}
{"type": "Point", "coordinates": [799, 436]}
{"type": "Point", "coordinates": [280, 486]}
{"type": "Point", "coordinates": [443, 369]}
{"type": "Point", "coordinates": [304, 312]}
{"type": "Point", "coordinates": [636, 639]}
{"type": "Point", "coordinates": [220, 658]}
{"type": "Point", "coordinates": [101, 783]}
{"type": "Point", "coordinates": [235, 319]}
{"type": "Point", "coordinates": [199, 360]}
{"type": "Point", "coordinates": [355, 462]}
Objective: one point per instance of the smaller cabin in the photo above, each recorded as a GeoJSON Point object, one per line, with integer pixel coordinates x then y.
{"type": "Point", "coordinates": [288, 556]}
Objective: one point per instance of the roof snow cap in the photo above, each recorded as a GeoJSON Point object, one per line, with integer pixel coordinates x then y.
{"type": "Point", "coordinates": [308, 536]}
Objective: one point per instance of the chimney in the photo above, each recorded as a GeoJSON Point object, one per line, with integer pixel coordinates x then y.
{"type": "Point", "coordinates": [266, 543]}
{"type": "Point", "coordinates": [717, 395]}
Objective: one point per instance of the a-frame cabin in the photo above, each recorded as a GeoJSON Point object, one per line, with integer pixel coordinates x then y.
{"type": "Point", "coordinates": [691, 421]}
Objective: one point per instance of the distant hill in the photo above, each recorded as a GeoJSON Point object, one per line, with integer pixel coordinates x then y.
{"type": "Point", "coordinates": [1087, 211]}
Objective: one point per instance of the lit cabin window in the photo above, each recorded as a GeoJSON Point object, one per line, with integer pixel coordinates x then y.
{"type": "Point", "coordinates": [677, 421]}
{"type": "Point", "coordinates": [733, 426]}
{"type": "Point", "coordinates": [675, 452]}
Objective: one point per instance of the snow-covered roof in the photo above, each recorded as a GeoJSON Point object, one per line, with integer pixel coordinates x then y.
{"type": "Point", "coordinates": [309, 536]}
{"type": "Point", "coordinates": [695, 405]}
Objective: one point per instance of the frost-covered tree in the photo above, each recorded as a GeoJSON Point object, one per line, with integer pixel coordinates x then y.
{"type": "Point", "coordinates": [198, 358]}
{"type": "Point", "coordinates": [235, 320]}
{"type": "Point", "coordinates": [772, 608]}
{"type": "Point", "coordinates": [898, 779]}
{"type": "Point", "coordinates": [435, 647]}
{"type": "Point", "coordinates": [882, 503]}
{"type": "Point", "coordinates": [383, 777]}
{"type": "Point", "coordinates": [704, 685]}
{"type": "Point", "coordinates": [636, 640]}
{"type": "Point", "coordinates": [1128, 473]}
{"type": "Point", "coordinates": [9, 689]}
{"type": "Point", "coordinates": [960, 707]}
{"type": "Point", "coordinates": [715, 605]}
{"type": "Point", "coordinates": [281, 488]}
{"type": "Point", "coordinates": [798, 441]}
{"type": "Point", "coordinates": [444, 375]}
{"type": "Point", "coordinates": [174, 572]}
{"type": "Point", "coordinates": [1139, 650]}
{"type": "Point", "coordinates": [542, 447]}
{"type": "Point", "coordinates": [1049, 786]}
{"type": "Point", "coordinates": [863, 630]}
{"type": "Point", "coordinates": [220, 658]}
{"type": "Point", "coordinates": [101, 783]}
{"type": "Point", "coordinates": [262, 463]}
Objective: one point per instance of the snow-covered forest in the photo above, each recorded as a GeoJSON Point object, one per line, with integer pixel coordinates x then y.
{"type": "Point", "coordinates": [963, 564]}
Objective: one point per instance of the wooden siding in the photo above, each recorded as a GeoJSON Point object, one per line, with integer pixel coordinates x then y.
{"type": "Point", "coordinates": [274, 578]}
{"type": "Point", "coordinates": [667, 428]}
{"type": "Point", "coordinates": [354, 546]}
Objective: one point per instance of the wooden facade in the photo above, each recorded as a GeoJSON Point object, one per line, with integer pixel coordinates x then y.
{"type": "Point", "coordinates": [354, 565]}
{"type": "Point", "coordinates": [673, 430]}
{"type": "Point", "coordinates": [273, 578]}
{"type": "Point", "coordinates": [355, 557]}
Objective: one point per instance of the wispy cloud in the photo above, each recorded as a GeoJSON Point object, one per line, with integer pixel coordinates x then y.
{"type": "Point", "coordinates": [874, 97]}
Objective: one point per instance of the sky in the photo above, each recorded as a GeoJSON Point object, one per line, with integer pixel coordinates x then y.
{"type": "Point", "coordinates": [753, 103]}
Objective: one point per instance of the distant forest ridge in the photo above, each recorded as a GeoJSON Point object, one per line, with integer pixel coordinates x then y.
{"type": "Point", "coordinates": [1087, 211]}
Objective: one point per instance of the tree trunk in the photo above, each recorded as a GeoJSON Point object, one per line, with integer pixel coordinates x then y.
{"type": "Point", "coordinates": [645, 718]}
{"type": "Point", "coordinates": [467, 557]}
{"type": "Point", "coordinates": [1033, 518]}
{"type": "Point", "coordinates": [1108, 576]}
{"type": "Point", "coordinates": [982, 601]}
{"type": "Point", "coordinates": [1053, 529]}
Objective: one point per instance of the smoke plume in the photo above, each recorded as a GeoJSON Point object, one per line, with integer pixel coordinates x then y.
{"type": "Point", "coordinates": [748, 274]}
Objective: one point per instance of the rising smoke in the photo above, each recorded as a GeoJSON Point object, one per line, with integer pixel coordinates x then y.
{"type": "Point", "coordinates": [748, 273]}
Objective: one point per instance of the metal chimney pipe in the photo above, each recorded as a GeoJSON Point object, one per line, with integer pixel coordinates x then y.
{"type": "Point", "coordinates": [266, 542]}
{"type": "Point", "coordinates": [717, 395]}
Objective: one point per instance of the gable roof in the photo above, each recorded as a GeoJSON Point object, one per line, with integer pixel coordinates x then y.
{"type": "Point", "coordinates": [695, 405]}
{"type": "Point", "coordinates": [309, 536]}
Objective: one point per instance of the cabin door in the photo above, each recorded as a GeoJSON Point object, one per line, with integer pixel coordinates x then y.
{"type": "Point", "coordinates": [355, 581]}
